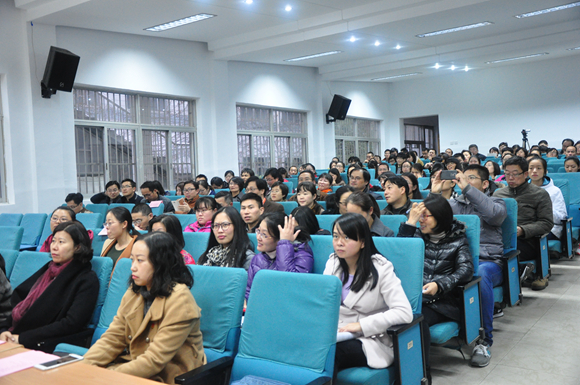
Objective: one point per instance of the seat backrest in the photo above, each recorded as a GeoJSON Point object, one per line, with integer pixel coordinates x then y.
{"type": "Point", "coordinates": [33, 225]}
{"type": "Point", "coordinates": [573, 179]}
{"type": "Point", "coordinates": [509, 227]}
{"type": "Point", "coordinates": [322, 247]}
{"type": "Point", "coordinates": [407, 256]}
{"type": "Point", "coordinates": [254, 241]}
{"type": "Point", "coordinates": [102, 266]}
{"type": "Point", "coordinates": [289, 206]}
{"type": "Point", "coordinates": [195, 244]}
{"type": "Point", "coordinates": [91, 221]}
{"type": "Point", "coordinates": [98, 241]}
{"type": "Point", "coordinates": [322, 203]}
{"type": "Point", "coordinates": [186, 219]}
{"type": "Point", "coordinates": [425, 193]}
{"type": "Point", "coordinates": [564, 186]}
{"type": "Point", "coordinates": [382, 204]}
{"type": "Point", "coordinates": [98, 208]}
{"type": "Point", "coordinates": [9, 219]}
{"type": "Point", "coordinates": [290, 185]}
{"type": "Point", "coordinates": [219, 292]}
{"type": "Point", "coordinates": [473, 231]}
{"type": "Point", "coordinates": [289, 333]}
{"type": "Point", "coordinates": [11, 237]}
{"type": "Point", "coordinates": [128, 206]}
{"type": "Point", "coordinates": [157, 210]}
{"type": "Point", "coordinates": [9, 259]}
{"type": "Point", "coordinates": [45, 233]}
{"type": "Point", "coordinates": [326, 221]}
{"type": "Point", "coordinates": [237, 206]}
{"type": "Point", "coordinates": [117, 288]}
{"type": "Point", "coordinates": [393, 222]}
{"type": "Point", "coordinates": [423, 182]}
{"type": "Point", "coordinates": [27, 263]}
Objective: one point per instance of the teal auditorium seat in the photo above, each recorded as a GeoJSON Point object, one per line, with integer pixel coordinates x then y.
{"type": "Point", "coordinates": [290, 185]}
{"type": "Point", "coordinates": [98, 208]}
{"type": "Point", "coordinates": [237, 205]}
{"type": "Point", "coordinates": [393, 222]}
{"type": "Point", "coordinates": [219, 292]}
{"type": "Point", "coordinates": [289, 333]}
{"type": "Point", "coordinates": [573, 179]}
{"type": "Point", "coordinates": [563, 246]}
{"type": "Point", "coordinates": [45, 233]}
{"type": "Point", "coordinates": [423, 182]}
{"type": "Point", "coordinates": [33, 225]}
{"type": "Point", "coordinates": [98, 241]}
{"type": "Point", "coordinates": [510, 292]}
{"type": "Point", "coordinates": [382, 204]}
{"type": "Point", "coordinates": [321, 246]}
{"type": "Point", "coordinates": [185, 219]}
{"type": "Point", "coordinates": [27, 263]}
{"type": "Point", "coordinates": [253, 240]}
{"type": "Point", "coordinates": [289, 206]}
{"type": "Point", "coordinates": [326, 221]}
{"type": "Point", "coordinates": [195, 244]}
{"type": "Point", "coordinates": [128, 206]}
{"type": "Point", "coordinates": [8, 219]}
{"type": "Point", "coordinates": [11, 237]}
{"type": "Point", "coordinates": [117, 288]}
{"type": "Point", "coordinates": [102, 266]}
{"type": "Point", "coordinates": [157, 210]}
{"type": "Point", "coordinates": [407, 257]}
{"type": "Point", "coordinates": [9, 260]}
{"type": "Point", "coordinates": [90, 221]}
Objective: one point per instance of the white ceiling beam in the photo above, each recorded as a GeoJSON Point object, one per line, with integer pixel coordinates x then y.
{"type": "Point", "coordinates": [38, 8]}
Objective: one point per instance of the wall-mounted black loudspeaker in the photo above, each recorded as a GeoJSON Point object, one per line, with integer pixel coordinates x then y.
{"type": "Point", "coordinates": [338, 109]}
{"type": "Point", "coordinates": [60, 72]}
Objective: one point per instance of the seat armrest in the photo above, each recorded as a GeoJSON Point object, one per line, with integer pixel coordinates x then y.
{"type": "Point", "coordinates": [474, 281]}
{"type": "Point", "coordinates": [321, 381]}
{"type": "Point", "coordinates": [408, 351]}
{"type": "Point", "coordinates": [398, 329]}
{"type": "Point", "coordinates": [511, 255]}
{"type": "Point", "coordinates": [213, 373]}
{"type": "Point", "coordinates": [471, 320]}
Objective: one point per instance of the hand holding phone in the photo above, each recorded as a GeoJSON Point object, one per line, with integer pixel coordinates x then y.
{"type": "Point", "coordinates": [448, 174]}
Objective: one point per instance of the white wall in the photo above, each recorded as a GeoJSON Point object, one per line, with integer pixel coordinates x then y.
{"type": "Point", "coordinates": [491, 106]}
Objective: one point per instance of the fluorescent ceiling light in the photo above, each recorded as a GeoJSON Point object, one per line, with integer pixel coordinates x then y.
{"type": "Point", "coordinates": [180, 22]}
{"type": "Point", "coordinates": [313, 56]}
{"type": "Point", "coordinates": [377, 43]}
{"type": "Point", "coordinates": [573, 49]}
{"type": "Point", "coordinates": [288, 8]}
{"type": "Point", "coordinates": [466, 68]}
{"type": "Point", "coordinates": [249, 1]}
{"type": "Point", "coordinates": [456, 29]}
{"type": "Point", "coordinates": [398, 76]}
{"type": "Point", "coordinates": [437, 66]}
{"type": "Point", "coordinates": [398, 47]}
{"type": "Point", "coordinates": [516, 58]}
{"type": "Point", "coordinates": [548, 10]}
{"type": "Point", "coordinates": [352, 39]}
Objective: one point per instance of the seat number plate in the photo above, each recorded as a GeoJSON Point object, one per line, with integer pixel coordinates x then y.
{"type": "Point", "coordinates": [409, 344]}
{"type": "Point", "coordinates": [471, 300]}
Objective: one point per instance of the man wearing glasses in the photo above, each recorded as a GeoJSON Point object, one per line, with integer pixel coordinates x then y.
{"type": "Point", "coordinates": [476, 199]}
{"type": "Point", "coordinates": [534, 213]}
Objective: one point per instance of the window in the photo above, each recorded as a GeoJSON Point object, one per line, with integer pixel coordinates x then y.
{"type": "Point", "coordinates": [270, 138]}
{"type": "Point", "coordinates": [142, 137]}
{"type": "Point", "coordinates": [419, 137]}
{"type": "Point", "coordinates": [356, 137]}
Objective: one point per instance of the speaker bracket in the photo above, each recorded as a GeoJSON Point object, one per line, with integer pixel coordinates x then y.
{"type": "Point", "coordinates": [330, 119]}
{"type": "Point", "coordinates": [46, 92]}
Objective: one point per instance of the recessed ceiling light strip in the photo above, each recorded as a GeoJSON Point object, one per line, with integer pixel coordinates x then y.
{"type": "Point", "coordinates": [398, 76]}
{"type": "Point", "coordinates": [517, 58]}
{"type": "Point", "coordinates": [573, 49]}
{"type": "Point", "coordinates": [456, 29]}
{"type": "Point", "coordinates": [314, 56]}
{"type": "Point", "coordinates": [180, 22]}
{"type": "Point", "coordinates": [548, 10]}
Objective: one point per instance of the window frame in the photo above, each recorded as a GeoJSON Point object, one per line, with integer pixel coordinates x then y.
{"type": "Point", "coordinates": [357, 138]}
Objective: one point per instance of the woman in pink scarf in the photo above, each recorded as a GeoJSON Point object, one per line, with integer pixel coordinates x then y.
{"type": "Point", "coordinates": [204, 208]}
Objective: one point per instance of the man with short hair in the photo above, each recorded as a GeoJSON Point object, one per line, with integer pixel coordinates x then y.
{"type": "Point", "coordinates": [251, 209]}
{"type": "Point", "coordinates": [141, 214]}
{"type": "Point", "coordinates": [535, 216]}
{"type": "Point", "coordinates": [200, 177]}
{"type": "Point", "coordinates": [74, 201]}
{"type": "Point", "coordinates": [259, 186]}
{"type": "Point", "coordinates": [190, 196]}
{"type": "Point", "coordinates": [432, 154]}
{"type": "Point", "coordinates": [570, 151]}
{"type": "Point", "coordinates": [474, 150]}
{"type": "Point", "coordinates": [477, 200]}
{"type": "Point", "coordinates": [370, 156]}
{"type": "Point", "coordinates": [425, 153]}
{"type": "Point", "coordinates": [360, 179]}
{"type": "Point", "coordinates": [396, 194]}
{"type": "Point", "coordinates": [128, 188]}
{"type": "Point", "coordinates": [565, 144]}
{"type": "Point", "coordinates": [544, 142]}
{"type": "Point", "coordinates": [224, 199]}
{"type": "Point", "coordinates": [306, 176]}
{"type": "Point", "coordinates": [151, 192]}
{"type": "Point", "coordinates": [272, 176]}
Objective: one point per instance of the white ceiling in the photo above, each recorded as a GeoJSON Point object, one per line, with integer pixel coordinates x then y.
{"type": "Point", "coordinates": [264, 32]}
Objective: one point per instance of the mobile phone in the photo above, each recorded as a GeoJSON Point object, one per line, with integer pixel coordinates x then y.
{"type": "Point", "coordinates": [448, 174]}
{"type": "Point", "coordinates": [59, 362]}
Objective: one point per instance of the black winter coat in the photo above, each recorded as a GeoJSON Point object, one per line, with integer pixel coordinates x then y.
{"type": "Point", "coordinates": [447, 263]}
{"type": "Point", "coordinates": [61, 312]}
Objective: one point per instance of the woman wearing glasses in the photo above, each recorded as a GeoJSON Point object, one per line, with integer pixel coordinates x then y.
{"type": "Point", "coordinates": [228, 245]}
{"type": "Point", "coordinates": [112, 194]}
{"type": "Point", "coordinates": [121, 234]}
{"type": "Point", "coordinates": [60, 215]}
{"type": "Point", "coordinates": [204, 209]}
{"type": "Point", "coordinates": [448, 261]}
{"type": "Point", "coordinates": [282, 247]}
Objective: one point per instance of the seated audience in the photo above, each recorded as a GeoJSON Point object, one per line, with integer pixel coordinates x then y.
{"type": "Point", "coordinates": [359, 178]}
{"type": "Point", "coordinates": [281, 247]}
{"type": "Point", "coordinates": [216, 183]}
{"type": "Point", "coordinates": [452, 164]}
{"type": "Point", "coordinates": [259, 186]}
{"type": "Point", "coordinates": [246, 173]}
{"type": "Point", "coordinates": [565, 144]}
{"type": "Point", "coordinates": [5, 293]}
{"type": "Point", "coordinates": [154, 191]}
{"type": "Point", "coordinates": [372, 296]}
{"type": "Point", "coordinates": [537, 169]}
{"type": "Point", "coordinates": [111, 194]}
{"type": "Point", "coordinates": [272, 176]}
{"type": "Point", "coordinates": [396, 194]}
{"type": "Point", "coordinates": [224, 199]}
{"type": "Point", "coordinates": [361, 203]}
{"type": "Point", "coordinates": [474, 160]}
{"type": "Point", "coordinates": [228, 245]}
{"type": "Point", "coordinates": [572, 164]}
{"type": "Point", "coordinates": [141, 214]}
{"type": "Point", "coordinates": [336, 177]}
{"type": "Point", "coordinates": [251, 209]}
{"type": "Point", "coordinates": [414, 191]}
{"type": "Point", "coordinates": [443, 187]}
{"type": "Point", "coordinates": [570, 151]}
{"type": "Point", "coordinates": [74, 201]}
{"type": "Point", "coordinates": [283, 174]}
{"type": "Point", "coordinates": [493, 169]}
{"type": "Point", "coordinates": [201, 177]}
{"type": "Point", "coordinates": [60, 215]}
{"type": "Point", "coordinates": [293, 171]}
{"type": "Point", "coordinates": [325, 182]}
{"type": "Point", "coordinates": [279, 192]}
{"type": "Point", "coordinates": [448, 262]}
{"type": "Point", "coordinates": [191, 195]}
{"type": "Point", "coordinates": [155, 333]}
{"type": "Point", "coordinates": [307, 221]}
{"type": "Point", "coordinates": [121, 234]}
{"type": "Point", "coordinates": [406, 167]}
{"type": "Point", "coordinates": [534, 215]}
{"type": "Point", "coordinates": [306, 197]}
{"type": "Point", "coordinates": [205, 189]}
{"type": "Point", "coordinates": [236, 186]}
{"type": "Point", "coordinates": [128, 188]}
{"type": "Point", "coordinates": [227, 177]}
{"type": "Point", "coordinates": [179, 189]}
{"type": "Point", "coordinates": [474, 150]}
{"type": "Point", "coordinates": [55, 304]}
{"type": "Point", "coordinates": [204, 209]}
{"type": "Point", "coordinates": [340, 166]}
{"type": "Point", "coordinates": [552, 153]}
{"type": "Point", "coordinates": [170, 224]}
{"type": "Point", "coordinates": [417, 170]}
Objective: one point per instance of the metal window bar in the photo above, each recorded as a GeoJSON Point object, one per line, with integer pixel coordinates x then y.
{"type": "Point", "coordinates": [90, 159]}
{"type": "Point", "coordinates": [356, 137]}
{"type": "Point", "coordinates": [181, 156]}
{"type": "Point", "coordinates": [155, 156]}
{"type": "Point", "coordinates": [122, 156]}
